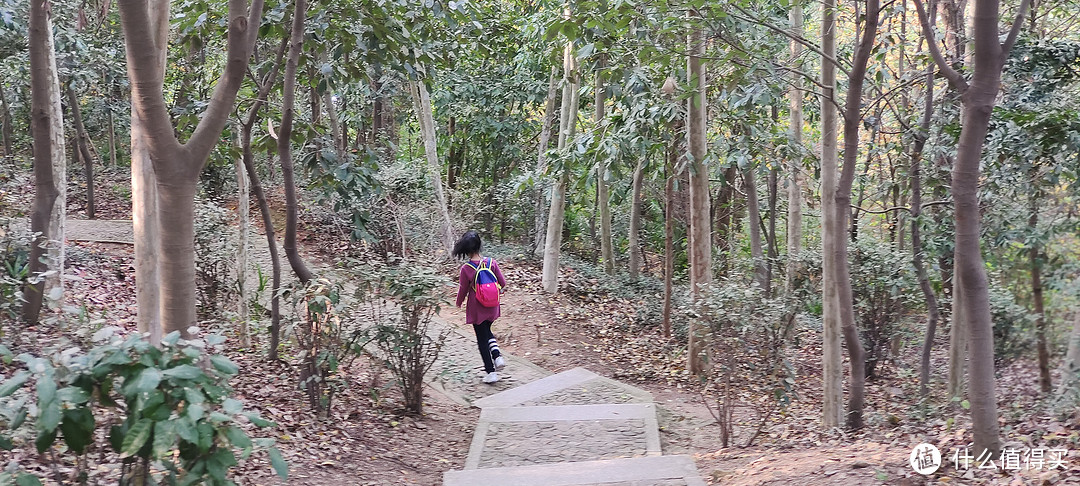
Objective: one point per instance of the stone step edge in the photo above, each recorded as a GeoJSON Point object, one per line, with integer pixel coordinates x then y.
{"type": "Point", "coordinates": [536, 389]}
{"type": "Point", "coordinates": [568, 413]}
{"type": "Point", "coordinates": [655, 468]}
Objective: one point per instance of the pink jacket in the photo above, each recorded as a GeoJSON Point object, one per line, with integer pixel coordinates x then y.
{"type": "Point", "coordinates": [474, 312]}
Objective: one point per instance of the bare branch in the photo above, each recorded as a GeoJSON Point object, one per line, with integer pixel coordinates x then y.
{"type": "Point", "coordinates": [1015, 31]}
{"type": "Point", "coordinates": [954, 77]}
{"type": "Point", "coordinates": [900, 208]}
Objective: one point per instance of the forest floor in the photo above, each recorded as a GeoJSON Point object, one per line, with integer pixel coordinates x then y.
{"type": "Point", "coordinates": [367, 440]}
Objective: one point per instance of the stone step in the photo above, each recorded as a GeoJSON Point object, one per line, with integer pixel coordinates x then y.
{"type": "Point", "coordinates": [518, 436]}
{"type": "Point", "coordinates": [639, 471]}
{"type": "Point", "coordinates": [572, 387]}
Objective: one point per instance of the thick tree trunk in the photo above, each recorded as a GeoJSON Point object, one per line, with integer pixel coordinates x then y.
{"type": "Point", "coordinates": [81, 139]}
{"type": "Point", "coordinates": [794, 179]}
{"type": "Point", "coordinates": [5, 119]}
{"type": "Point", "coordinates": [165, 172]}
{"type": "Point", "coordinates": [846, 310]}
{"type": "Point", "coordinates": [541, 161]}
{"type": "Point", "coordinates": [1035, 257]}
{"type": "Point", "coordinates": [557, 211]}
{"type": "Point", "coordinates": [757, 254]}
{"type": "Point", "coordinates": [700, 236]}
{"type": "Point", "coordinates": [288, 110]}
{"type": "Point", "coordinates": [634, 237]}
{"type": "Point", "coordinates": [832, 360]}
{"type": "Point", "coordinates": [422, 103]}
{"type": "Point", "coordinates": [607, 250]}
{"type": "Point", "coordinates": [958, 341]}
{"type": "Point", "coordinates": [48, 210]}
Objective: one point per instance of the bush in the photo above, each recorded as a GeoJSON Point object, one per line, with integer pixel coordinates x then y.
{"type": "Point", "coordinates": [401, 302]}
{"type": "Point", "coordinates": [174, 402]}
{"type": "Point", "coordinates": [1014, 326]}
{"type": "Point", "coordinates": [215, 258]}
{"type": "Point", "coordinates": [14, 267]}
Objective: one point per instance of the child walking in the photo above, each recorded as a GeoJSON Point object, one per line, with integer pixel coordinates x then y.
{"type": "Point", "coordinates": [476, 313]}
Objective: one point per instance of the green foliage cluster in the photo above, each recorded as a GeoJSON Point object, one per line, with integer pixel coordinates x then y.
{"type": "Point", "coordinates": [215, 258]}
{"type": "Point", "coordinates": [885, 290]}
{"type": "Point", "coordinates": [14, 265]}
{"type": "Point", "coordinates": [173, 401]}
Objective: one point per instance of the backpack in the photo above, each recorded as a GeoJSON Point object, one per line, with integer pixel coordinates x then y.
{"type": "Point", "coordinates": [485, 284]}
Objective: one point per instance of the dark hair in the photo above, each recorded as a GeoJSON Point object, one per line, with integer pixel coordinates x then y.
{"type": "Point", "coordinates": [467, 245]}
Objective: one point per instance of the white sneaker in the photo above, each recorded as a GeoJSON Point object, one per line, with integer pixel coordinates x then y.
{"type": "Point", "coordinates": [500, 363]}
{"type": "Point", "coordinates": [491, 377]}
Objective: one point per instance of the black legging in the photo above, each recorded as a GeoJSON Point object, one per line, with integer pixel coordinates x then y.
{"type": "Point", "coordinates": [485, 342]}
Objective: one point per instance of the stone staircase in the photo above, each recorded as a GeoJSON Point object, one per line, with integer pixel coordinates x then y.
{"type": "Point", "coordinates": [574, 428]}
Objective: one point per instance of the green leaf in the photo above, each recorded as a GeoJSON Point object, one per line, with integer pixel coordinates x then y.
{"type": "Point", "coordinates": [278, 462]}
{"type": "Point", "coordinates": [259, 421]}
{"type": "Point", "coordinates": [965, 404]}
{"type": "Point", "coordinates": [78, 428]}
{"type": "Point", "coordinates": [44, 440]}
{"type": "Point", "coordinates": [232, 406]}
{"type": "Point", "coordinates": [49, 416]}
{"type": "Point", "coordinates": [164, 437]}
{"type": "Point", "coordinates": [224, 365]}
{"type": "Point", "coordinates": [183, 372]}
{"type": "Point", "coordinates": [238, 438]}
{"type": "Point", "coordinates": [136, 437]}
{"type": "Point", "coordinates": [5, 444]}
{"type": "Point", "coordinates": [185, 428]}
{"type": "Point", "coordinates": [73, 394]}
{"type": "Point", "coordinates": [145, 380]}
{"type": "Point", "coordinates": [14, 383]}
{"type": "Point", "coordinates": [25, 479]}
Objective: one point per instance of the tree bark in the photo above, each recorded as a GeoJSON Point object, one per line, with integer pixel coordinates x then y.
{"type": "Point", "coordinates": [607, 251]}
{"type": "Point", "coordinates": [48, 210]}
{"type": "Point", "coordinates": [243, 207]}
{"type": "Point", "coordinates": [1070, 368]}
{"type": "Point", "coordinates": [958, 340]}
{"type": "Point", "coordinates": [5, 120]}
{"type": "Point", "coordinates": [794, 181]}
{"type": "Point", "coordinates": [670, 162]}
{"type": "Point", "coordinates": [700, 236]}
{"type": "Point", "coordinates": [112, 139]}
{"type": "Point", "coordinates": [288, 110]}
{"type": "Point", "coordinates": [81, 139]}
{"type": "Point", "coordinates": [770, 243]}
{"type": "Point", "coordinates": [634, 237]}
{"type": "Point", "coordinates": [978, 99]}
{"type": "Point", "coordinates": [933, 315]}
{"type": "Point", "coordinates": [832, 360]}
{"type": "Point", "coordinates": [852, 121]}
{"type": "Point", "coordinates": [422, 102]}
{"type": "Point", "coordinates": [164, 171]}
{"type": "Point", "coordinates": [1035, 256]}
{"type": "Point", "coordinates": [557, 211]}
{"type": "Point", "coordinates": [757, 254]}
{"type": "Point", "coordinates": [541, 161]}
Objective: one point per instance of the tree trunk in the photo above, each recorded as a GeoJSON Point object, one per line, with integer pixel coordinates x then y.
{"type": "Point", "coordinates": [978, 99]}
{"type": "Point", "coordinates": [770, 244]}
{"type": "Point", "coordinates": [81, 146]}
{"type": "Point", "coordinates": [607, 251]}
{"type": "Point", "coordinates": [634, 237]}
{"type": "Point", "coordinates": [48, 210]}
{"type": "Point", "coordinates": [757, 254]}
{"type": "Point", "coordinates": [112, 139]}
{"type": "Point", "coordinates": [288, 110]}
{"type": "Point", "coordinates": [700, 237]}
{"type": "Point", "coordinates": [933, 316]}
{"type": "Point", "coordinates": [1070, 368]}
{"type": "Point", "coordinates": [670, 162]}
{"type": "Point", "coordinates": [165, 172]}
{"type": "Point", "coordinates": [958, 340]}
{"type": "Point", "coordinates": [541, 162]}
{"type": "Point", "coordinates": [832, 360]}
{"type": "Point", "coordinates": [268, 225]}
{"type": "Point", "coordinates": [1037, 297]}
{"type": "Point", "coordinates": [794, 182]}
{"type": "Point", "coordinates": [852, 121]}
{"type": "Point", "coordinates": [422, 102]}
{"type": "Point", "coordinates": [5, 119]}
{"type": "Point", "coordinates": [567, 125]}
{"type": "Point", "coordinates": [243, 208]}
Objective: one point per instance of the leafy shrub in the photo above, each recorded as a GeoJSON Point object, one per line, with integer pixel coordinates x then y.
{"type": "Point", "coordinates": [1014, 326]}
{"type": "Point", "coordinates": [325, 344]}
{"type": "Point", "coordinates": [14, 260]}
{"type": "Point", "coordinates": [747, 346]}
{"type": "Point", "coordinates": [174, 403]}
{"type": "Point", "coordinates": [215, 258]}
{"type": "Point", "coordinates": [401, 302]}
{"type": "Point", "coordinates": [884, 288]}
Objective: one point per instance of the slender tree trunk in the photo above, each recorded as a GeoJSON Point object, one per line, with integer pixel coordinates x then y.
{"type": "Point", "coordinates": [288, 109]}
{"type": "Point", "coordinates": [700, 237]}
{"type": "Point", "coordinates": [771, 244]}
{"type": "Point", "coordinates": [634, 237]}
{"type": "Point", "coordinates": [1070, 368]}
{"type": "Point", "coordinates": [1035, 256]}
{"type": "Point", "coordinates": [567, 126]}
{"type": "Point", "coordinates": [607, 250]}
{"type": "Point", "coordinates": [754, 222]}
{"type": "Point", "coordinates": [832, 359]}
{"type": "Point", "coordinates": [541, 161]}
{"type": "Point", "coordinates": [794, 181]}
{"type": "Point", "coordinates": [852, 121]}
{"type": "Point", "coordinates": [81, 146]}
{"type": "Point", "coordinates": [243, 208]}
{"type": "Point", "coordinates": [48, 210]}
{"type": "Point", "coordinates": [933, 316]}
{"type": "Point", "coordinates": [5, 118]}
{"type": "Point", "coordinates": [670, 162]}
{"type": "Point", "coordinates": [271, 240]}
{"type": "Point", "coordinates": [422, 102]}
{"type": "Point", "coordinates": [112, 139]}
{"type": "Point", "coordinates": [958, 341]}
